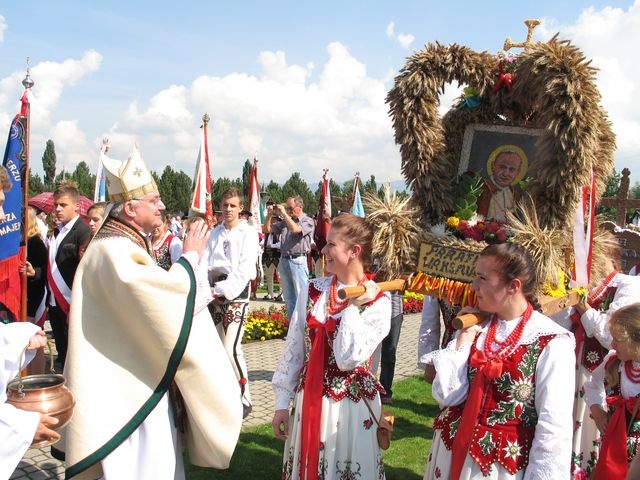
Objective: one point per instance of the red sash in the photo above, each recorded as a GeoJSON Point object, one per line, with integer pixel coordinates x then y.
{"type": "Point", "coordinates": [612, 462]}
{"type": "Point", "coordinates": [60, 300]}
{"type": "Point", "coordinates": [487, 370]}
{"type": "Point", "coordinates": [312, 401]}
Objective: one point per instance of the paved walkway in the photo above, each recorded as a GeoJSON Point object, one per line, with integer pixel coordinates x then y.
{"type": "Point", "coordinates": [262, 358]}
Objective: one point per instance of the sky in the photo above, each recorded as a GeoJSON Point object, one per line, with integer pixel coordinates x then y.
{"type": "Point", "coordinates": [301, 85]}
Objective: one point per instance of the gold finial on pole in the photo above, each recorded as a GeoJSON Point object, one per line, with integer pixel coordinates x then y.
{"type": "Point", "coordinates": [206, 118]}
{"type": "Point", "coordinates": [531, 25]}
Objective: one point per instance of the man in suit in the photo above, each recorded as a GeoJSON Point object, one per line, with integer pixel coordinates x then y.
{"type": "Point", "coordinates": [64, 256]}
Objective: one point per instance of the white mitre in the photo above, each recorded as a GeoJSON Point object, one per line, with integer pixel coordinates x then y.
{"type": "Point", "coordinates": [130, 179]}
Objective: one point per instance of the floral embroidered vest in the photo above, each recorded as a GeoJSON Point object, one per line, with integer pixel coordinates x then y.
{"type": "Point", "coordinates": [507, 418]}
{"type": "Point", "coordinates": [163, 256]}
{"type": "Point", "coordinates": [338, 384]}
{"type": "Point", "coordinates": [593, 352]}
{"type": "Point", "coordinates": [633, 433]}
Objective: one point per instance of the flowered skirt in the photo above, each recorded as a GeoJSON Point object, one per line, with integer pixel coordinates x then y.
{"type": "Point", "coordinates": [439, 466]}
{"type": "Point", "coordinates": [348, 443]}
{"type": "Point", "coordinates": [586, 436]}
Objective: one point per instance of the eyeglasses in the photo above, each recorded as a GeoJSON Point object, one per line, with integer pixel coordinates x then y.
{"type": "Point", "coordinates": [156, 201]}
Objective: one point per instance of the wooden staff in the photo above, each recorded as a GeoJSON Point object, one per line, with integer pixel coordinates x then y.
{"type": "Point", "coordinates": [548, 306]}
{"type": "Point", "coordinates": [389, 286]}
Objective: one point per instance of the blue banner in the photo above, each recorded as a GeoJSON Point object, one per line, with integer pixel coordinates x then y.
{"type": "Point", "coordinates": [15, 163]}
{"type": "Point", "coordinates": [357, 208]}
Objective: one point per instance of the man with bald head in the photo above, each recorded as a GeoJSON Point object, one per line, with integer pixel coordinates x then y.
{"type": "Point", "coordinates": [142, 346]}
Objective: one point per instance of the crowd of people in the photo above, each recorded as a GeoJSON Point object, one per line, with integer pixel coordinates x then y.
{"type": "Point", "coordinates": [152, 302]}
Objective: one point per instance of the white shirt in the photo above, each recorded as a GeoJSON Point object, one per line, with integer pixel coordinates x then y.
{"type": "Point", "coordinates": [233, 253]}
{"type": "Point", "coordinates": [356, 340]}
{"type": "Point", "coordinates": [594, 390]}
{"type": "Point", "coordinates": [554, 390]}
{"type": "Point", "coordinates": [17, 427]}
{"type": "Point", "coordinates": [54, 242]}
{"type": "Point", "coordinates": [595, 321]}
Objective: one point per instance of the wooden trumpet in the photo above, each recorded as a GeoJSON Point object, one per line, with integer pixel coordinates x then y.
{"type": "Point", "coordinates": [389, 286]}
{"type": "Point", "coordinates": [548, 306]}
{"type": "Point", "coordinates": [465, 320]}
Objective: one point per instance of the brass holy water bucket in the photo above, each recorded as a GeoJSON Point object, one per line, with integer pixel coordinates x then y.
{"type": "Point", "coordinates": [45, 393]}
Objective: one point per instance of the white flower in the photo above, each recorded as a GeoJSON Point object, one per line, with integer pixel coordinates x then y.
{"type": "Point", "coordinates": [522, 391]}
{"type": "Point", "coordinates": [439, 230]}
{"type": "Point", "coordinates": [512, 450]}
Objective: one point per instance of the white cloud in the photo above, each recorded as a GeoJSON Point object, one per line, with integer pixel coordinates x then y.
{"type": "Point", "coordinates": [404, 39]}
{"type": "Point", "coordinates": [71, 145]}
{"type": "Point", "coordinates": [338, 121]}
{"type": "Point", "coordinates": [610, 37]}
{"type": "Point", "coordinates": [51, 79]}
{"type": "Point", "coordinates": [390, 28]}
{"type": "Point", "coordinates": [3, 27]}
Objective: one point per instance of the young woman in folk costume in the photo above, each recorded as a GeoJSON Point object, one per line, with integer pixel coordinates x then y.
{"type": "Point", "coordinates": [166, 246]}
{"type": "Point", "coordinates": [325, 369]}
{"type": "Point", "coordinates": [613, 395]}
{"type": "Point", "coordinates": [504, 386]}
{"type": "Point", "coordinates": [611, 290]}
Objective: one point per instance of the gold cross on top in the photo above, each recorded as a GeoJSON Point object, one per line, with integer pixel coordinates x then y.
{"type": "Point", "coordinates": [531, 25]}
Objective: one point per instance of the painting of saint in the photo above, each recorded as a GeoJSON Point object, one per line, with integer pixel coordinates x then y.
{"type": "Point", "coordinates": [506, 166]}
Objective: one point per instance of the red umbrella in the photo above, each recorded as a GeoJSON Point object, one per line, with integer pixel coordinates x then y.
{"type": "Point", "coordinates": [44, 202]}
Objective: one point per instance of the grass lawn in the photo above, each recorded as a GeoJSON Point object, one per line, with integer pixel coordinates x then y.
{"type": "Point", "coordinates": [259, 455]}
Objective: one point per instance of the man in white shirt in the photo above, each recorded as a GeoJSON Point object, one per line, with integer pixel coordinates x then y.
{"type": "Point", "coordinates": [232, 252]}
{"type": "Point", "coordinates": [64, 256]}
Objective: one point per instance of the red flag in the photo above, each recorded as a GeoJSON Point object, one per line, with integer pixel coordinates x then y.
{"type": "Point", "coordinates": [254, 198]}
{"type": "Point", "coordinates": [12, 250]}
{"type": "Point", "coordinates": [324, 214]}
{"type": "Point", "coordinates": [201, 199]}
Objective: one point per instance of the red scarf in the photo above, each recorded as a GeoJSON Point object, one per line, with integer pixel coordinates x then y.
{"type": "Point", "coordinates": [612, 462]}
{"type": "Point", "coordinates": [312, 401]}
{"type": "Point", "coordinates": [488, 369]}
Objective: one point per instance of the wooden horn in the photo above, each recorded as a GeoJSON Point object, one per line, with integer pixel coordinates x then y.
{"type": "Point", "coordinates": [389, 286]}
{"type": "Point", "coordinates": [467, 320]}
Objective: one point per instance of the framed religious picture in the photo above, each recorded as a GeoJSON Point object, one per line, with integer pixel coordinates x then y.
{"type": "Point", "coordinates": [501, 155]}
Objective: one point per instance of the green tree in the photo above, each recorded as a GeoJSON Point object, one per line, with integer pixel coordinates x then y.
{"type": "Point", "coordinates": [165, 187]}
{"type": "Point", "coordinates": [175, 189]}
{"type": "Point", "coordinates": [611, 190]}
{"type": "Point", "coordinates": [49, 165]}
{"type": "Point", "coordinates": [181, 191]}
{"type": "Point", "coordinates": [36, 185]}
{"type": "Point", "coordinates": [370, 186]}
{"type": "Point", "coordinates": [84, 179]}
{"type": "Point", "coordinates": [275, 192]}
{"type": "Point", "coordinates": [220, 185]}
{"type": "Point", "coordinates": [294, 186]}
{"type": "Point", "coordinates": [246, 177]}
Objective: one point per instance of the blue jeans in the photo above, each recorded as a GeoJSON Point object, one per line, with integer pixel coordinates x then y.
{"type": "Point", "coordinates": [294, 277]}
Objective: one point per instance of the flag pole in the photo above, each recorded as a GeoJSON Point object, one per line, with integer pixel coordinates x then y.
{"type": "Point", "coordinates": [353, 193]}
{"type": "Point", "coordinates": [27, 83]}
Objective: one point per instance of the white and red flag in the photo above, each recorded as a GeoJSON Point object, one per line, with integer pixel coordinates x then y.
{"type": "Point", "coordinates": [323, 217]}
{"type": "Point", "coordinates": [254, 198]}
{"type": "Point", "coordinates": [201, 199]}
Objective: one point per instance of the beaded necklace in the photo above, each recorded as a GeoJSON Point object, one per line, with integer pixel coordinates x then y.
{"type": "Point", "coordinates": [506, 347]}
{"type": "Point", "coordinates": [633, 373]}
{"type": "Point", "coordinates": [334, 304]}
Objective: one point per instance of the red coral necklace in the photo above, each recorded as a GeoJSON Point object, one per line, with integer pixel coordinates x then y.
{"type": "Point", "coordinates": [336, 305]}
{"type": "Point", "coordinates": [505, 347]}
